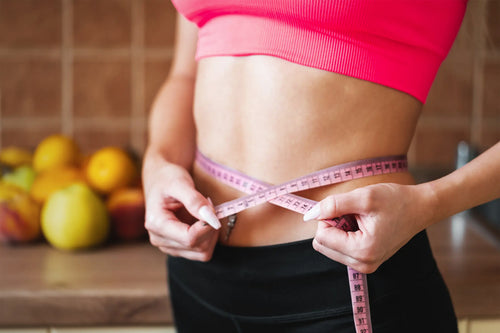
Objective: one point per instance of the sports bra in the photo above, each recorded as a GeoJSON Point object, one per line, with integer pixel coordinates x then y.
{"type": "Point", "coordinates": [396, 43]}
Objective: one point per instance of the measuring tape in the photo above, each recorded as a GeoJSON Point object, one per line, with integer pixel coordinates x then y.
{"type": "Point", "coordinates": [260, 192]}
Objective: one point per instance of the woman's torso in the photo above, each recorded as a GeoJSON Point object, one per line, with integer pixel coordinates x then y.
{"type": "Point", "coordinates": [275, 121]}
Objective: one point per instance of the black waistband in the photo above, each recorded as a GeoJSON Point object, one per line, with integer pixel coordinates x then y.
{"type": "Point", "coordinates": [292, 277]}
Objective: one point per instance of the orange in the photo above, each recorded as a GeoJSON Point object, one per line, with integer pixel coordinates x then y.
{"type": "Point", "coordinates": [52, 180]}
{"type": "Point", "coordinates": [109, 169]}
{"type": "Point", "coordinates": [55, 151]}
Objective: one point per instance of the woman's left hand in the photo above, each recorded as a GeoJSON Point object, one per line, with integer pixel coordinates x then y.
{"type": "Point", "coordinates": [388, 216]}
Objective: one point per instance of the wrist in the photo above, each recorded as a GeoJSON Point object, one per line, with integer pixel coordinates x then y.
{"type": "Point", "coordinates": [429, 205]}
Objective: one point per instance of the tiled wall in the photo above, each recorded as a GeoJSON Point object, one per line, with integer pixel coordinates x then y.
{"type": "Point", "coordinates": [90, 68]}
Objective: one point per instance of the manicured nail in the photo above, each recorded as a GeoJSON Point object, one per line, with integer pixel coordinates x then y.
{"type": "Point", "coordinates": [208, 216]}
{"type": "Point", "coordinates": [312, 213]}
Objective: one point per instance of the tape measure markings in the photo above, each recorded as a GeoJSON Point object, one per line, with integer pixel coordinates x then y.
{"type": "Point", "coordinates": [260, 192]}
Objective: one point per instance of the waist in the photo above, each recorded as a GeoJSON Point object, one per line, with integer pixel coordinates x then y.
{"type": "Point", "coordinates": [266, 224]}
{"type": "Point", "coordinates": [258, 114]}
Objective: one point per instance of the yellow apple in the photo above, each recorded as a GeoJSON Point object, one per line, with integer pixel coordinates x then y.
{"type": "Point", "coordinates": [75, 218]}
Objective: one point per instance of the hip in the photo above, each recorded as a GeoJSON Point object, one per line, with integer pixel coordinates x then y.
{"type": "Point", "coordinates": [291, 283]}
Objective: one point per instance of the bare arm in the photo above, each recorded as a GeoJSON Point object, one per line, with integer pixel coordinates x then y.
{"type": "Point", "coordinates": [475, 183]}
{"type": "Point", "coordinates": [175, 211]}
{"type": "Point", "coordinates": [389, 215]}
{"type": "Point", "coordinates": [171, 126]}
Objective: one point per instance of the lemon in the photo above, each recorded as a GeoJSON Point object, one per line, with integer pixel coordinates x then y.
{"type": "Point", "coordinates": [75, 218]}
{"type": "Point", "coordinates": [109, 169]}
{"type": "Point", "coordinates": [52, 180]}
{"type": "Point", "coordinates": [55, 151]}
{"type": "Point", "coordinates": [15, 156]}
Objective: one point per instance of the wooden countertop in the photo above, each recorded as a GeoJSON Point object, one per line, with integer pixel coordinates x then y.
{"type": "Point", "coordinates": [125, 284]}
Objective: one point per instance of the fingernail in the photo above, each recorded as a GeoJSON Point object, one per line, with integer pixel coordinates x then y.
{"type": "Point", "coordinates": [312, 213]}
{"type": "Point", "coordinates": [208, 216]}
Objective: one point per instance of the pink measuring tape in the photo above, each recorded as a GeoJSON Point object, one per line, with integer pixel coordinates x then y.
{"type": "Point", "coordinates": [281, 195]}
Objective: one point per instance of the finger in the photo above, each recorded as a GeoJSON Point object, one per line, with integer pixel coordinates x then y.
{"type": "Point", "coordinates": [349, 248]}
{"type": "Point", "coordinates": [333, 238]}
{"type": "Point", "coordinates": [191, 255]}
{"type": "Point", "coordinates": [195, 203]}
{"type": "Point", "coordinates": [172, 232]}
{"type": "Point", "coordinates": [205, 241]}
{"type": "Point", "coordinates": [337, 205]}
{"type": "Point", "coordinates": [199, 233]}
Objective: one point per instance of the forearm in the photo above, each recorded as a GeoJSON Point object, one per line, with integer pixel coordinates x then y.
{"type": "Point", "coordinates": [475, 183]}
{"type": "Point", "coordinates": [171, 125]}
{"type": "Point", "coordinates": [171, 128]}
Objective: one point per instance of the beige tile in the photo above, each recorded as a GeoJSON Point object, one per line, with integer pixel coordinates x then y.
{"type": "Point", "coordinates": [30, 87]}
{"type": "Point", "coordinates": [101, 88]}
{"type": "Point", "coordinates": [155, 74]}
{"type": "Point", "coordinates": [436, 147]}
{"type": "Point", "coordinates": [30, 23]}
{"type": "Point", "coordinates": [159, 23]}
{"type": "Point", "coordinates": [28, 136]}
{"type": "Point", "coordinates": [491, 95]}
{"type": "Point", "coordinates": [102, 24]}
{"type": "Point", "coordinates": [493, 24]}
{"type": "Point", "coordinates": [91, 139]}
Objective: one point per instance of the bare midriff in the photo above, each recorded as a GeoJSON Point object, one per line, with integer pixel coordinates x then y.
{"type": "Point", "coordinates": [275, 121]}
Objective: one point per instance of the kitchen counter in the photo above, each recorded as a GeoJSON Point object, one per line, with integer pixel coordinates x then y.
{"type": "Point", "coordinates": [125, 284]}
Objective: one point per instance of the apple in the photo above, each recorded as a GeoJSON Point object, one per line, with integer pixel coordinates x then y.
{"type": "Point", "coordinates": [75, 218]}
{"type": "Point", "coordinates": [19, 215]}
{"type": "Point", "coordinates": [22, 176]}
{"type": "Point", "coordinates": [126, 208]}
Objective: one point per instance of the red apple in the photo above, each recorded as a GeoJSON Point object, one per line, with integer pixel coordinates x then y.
{"type": "Point", "coordinates": [19, 215]}
{"type": "Point", "coordinates": [126, 208]}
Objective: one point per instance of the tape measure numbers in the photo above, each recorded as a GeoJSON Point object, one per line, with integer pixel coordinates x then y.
{"type": "Point", "coordinates": [260, 192]}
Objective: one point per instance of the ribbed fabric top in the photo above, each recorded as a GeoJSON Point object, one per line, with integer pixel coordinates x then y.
{"type": "Point", "coordinates": [396, 43]}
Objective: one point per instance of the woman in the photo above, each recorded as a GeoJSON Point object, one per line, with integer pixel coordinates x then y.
{"type": "Point", "coordinates": [280, 90]}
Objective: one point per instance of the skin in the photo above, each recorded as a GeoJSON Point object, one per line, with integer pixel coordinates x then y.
{"type": "Point", "coordinates": [275, 120]}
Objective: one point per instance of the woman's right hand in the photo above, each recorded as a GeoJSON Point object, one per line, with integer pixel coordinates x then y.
{"type": "Point", "coordinates": [180, 221]}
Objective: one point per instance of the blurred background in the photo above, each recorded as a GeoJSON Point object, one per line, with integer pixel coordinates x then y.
{"type": "Point", "coordinates": [90, 69]}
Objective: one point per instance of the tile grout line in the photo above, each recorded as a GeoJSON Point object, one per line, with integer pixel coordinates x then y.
{"type": "Point", "coordinates": [55, 52]}
{"type": "Point", "coordinates": [67, 68]}
{"type": "Point", "coordinates": [122, 122]}
{"type": "Point", "coordinates": [137, 75]}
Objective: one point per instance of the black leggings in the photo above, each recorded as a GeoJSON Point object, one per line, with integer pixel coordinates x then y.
{"type": "Point", "coordinates": [292, 288]}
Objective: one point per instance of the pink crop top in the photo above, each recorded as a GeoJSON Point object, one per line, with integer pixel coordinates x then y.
{"type": "Point", "coordinates": [396, 43]}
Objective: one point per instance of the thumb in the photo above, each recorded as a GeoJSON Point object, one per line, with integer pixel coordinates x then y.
{"type": "Point", "coordinates": [335, 206]}
{"type": "Point", "coordinates": [195, 203]}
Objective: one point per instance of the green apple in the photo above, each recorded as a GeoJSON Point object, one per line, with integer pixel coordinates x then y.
{"type": "Point", "coordinates": [22, 176]}
{"type": "Point", "coordinates": [75, 218]}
